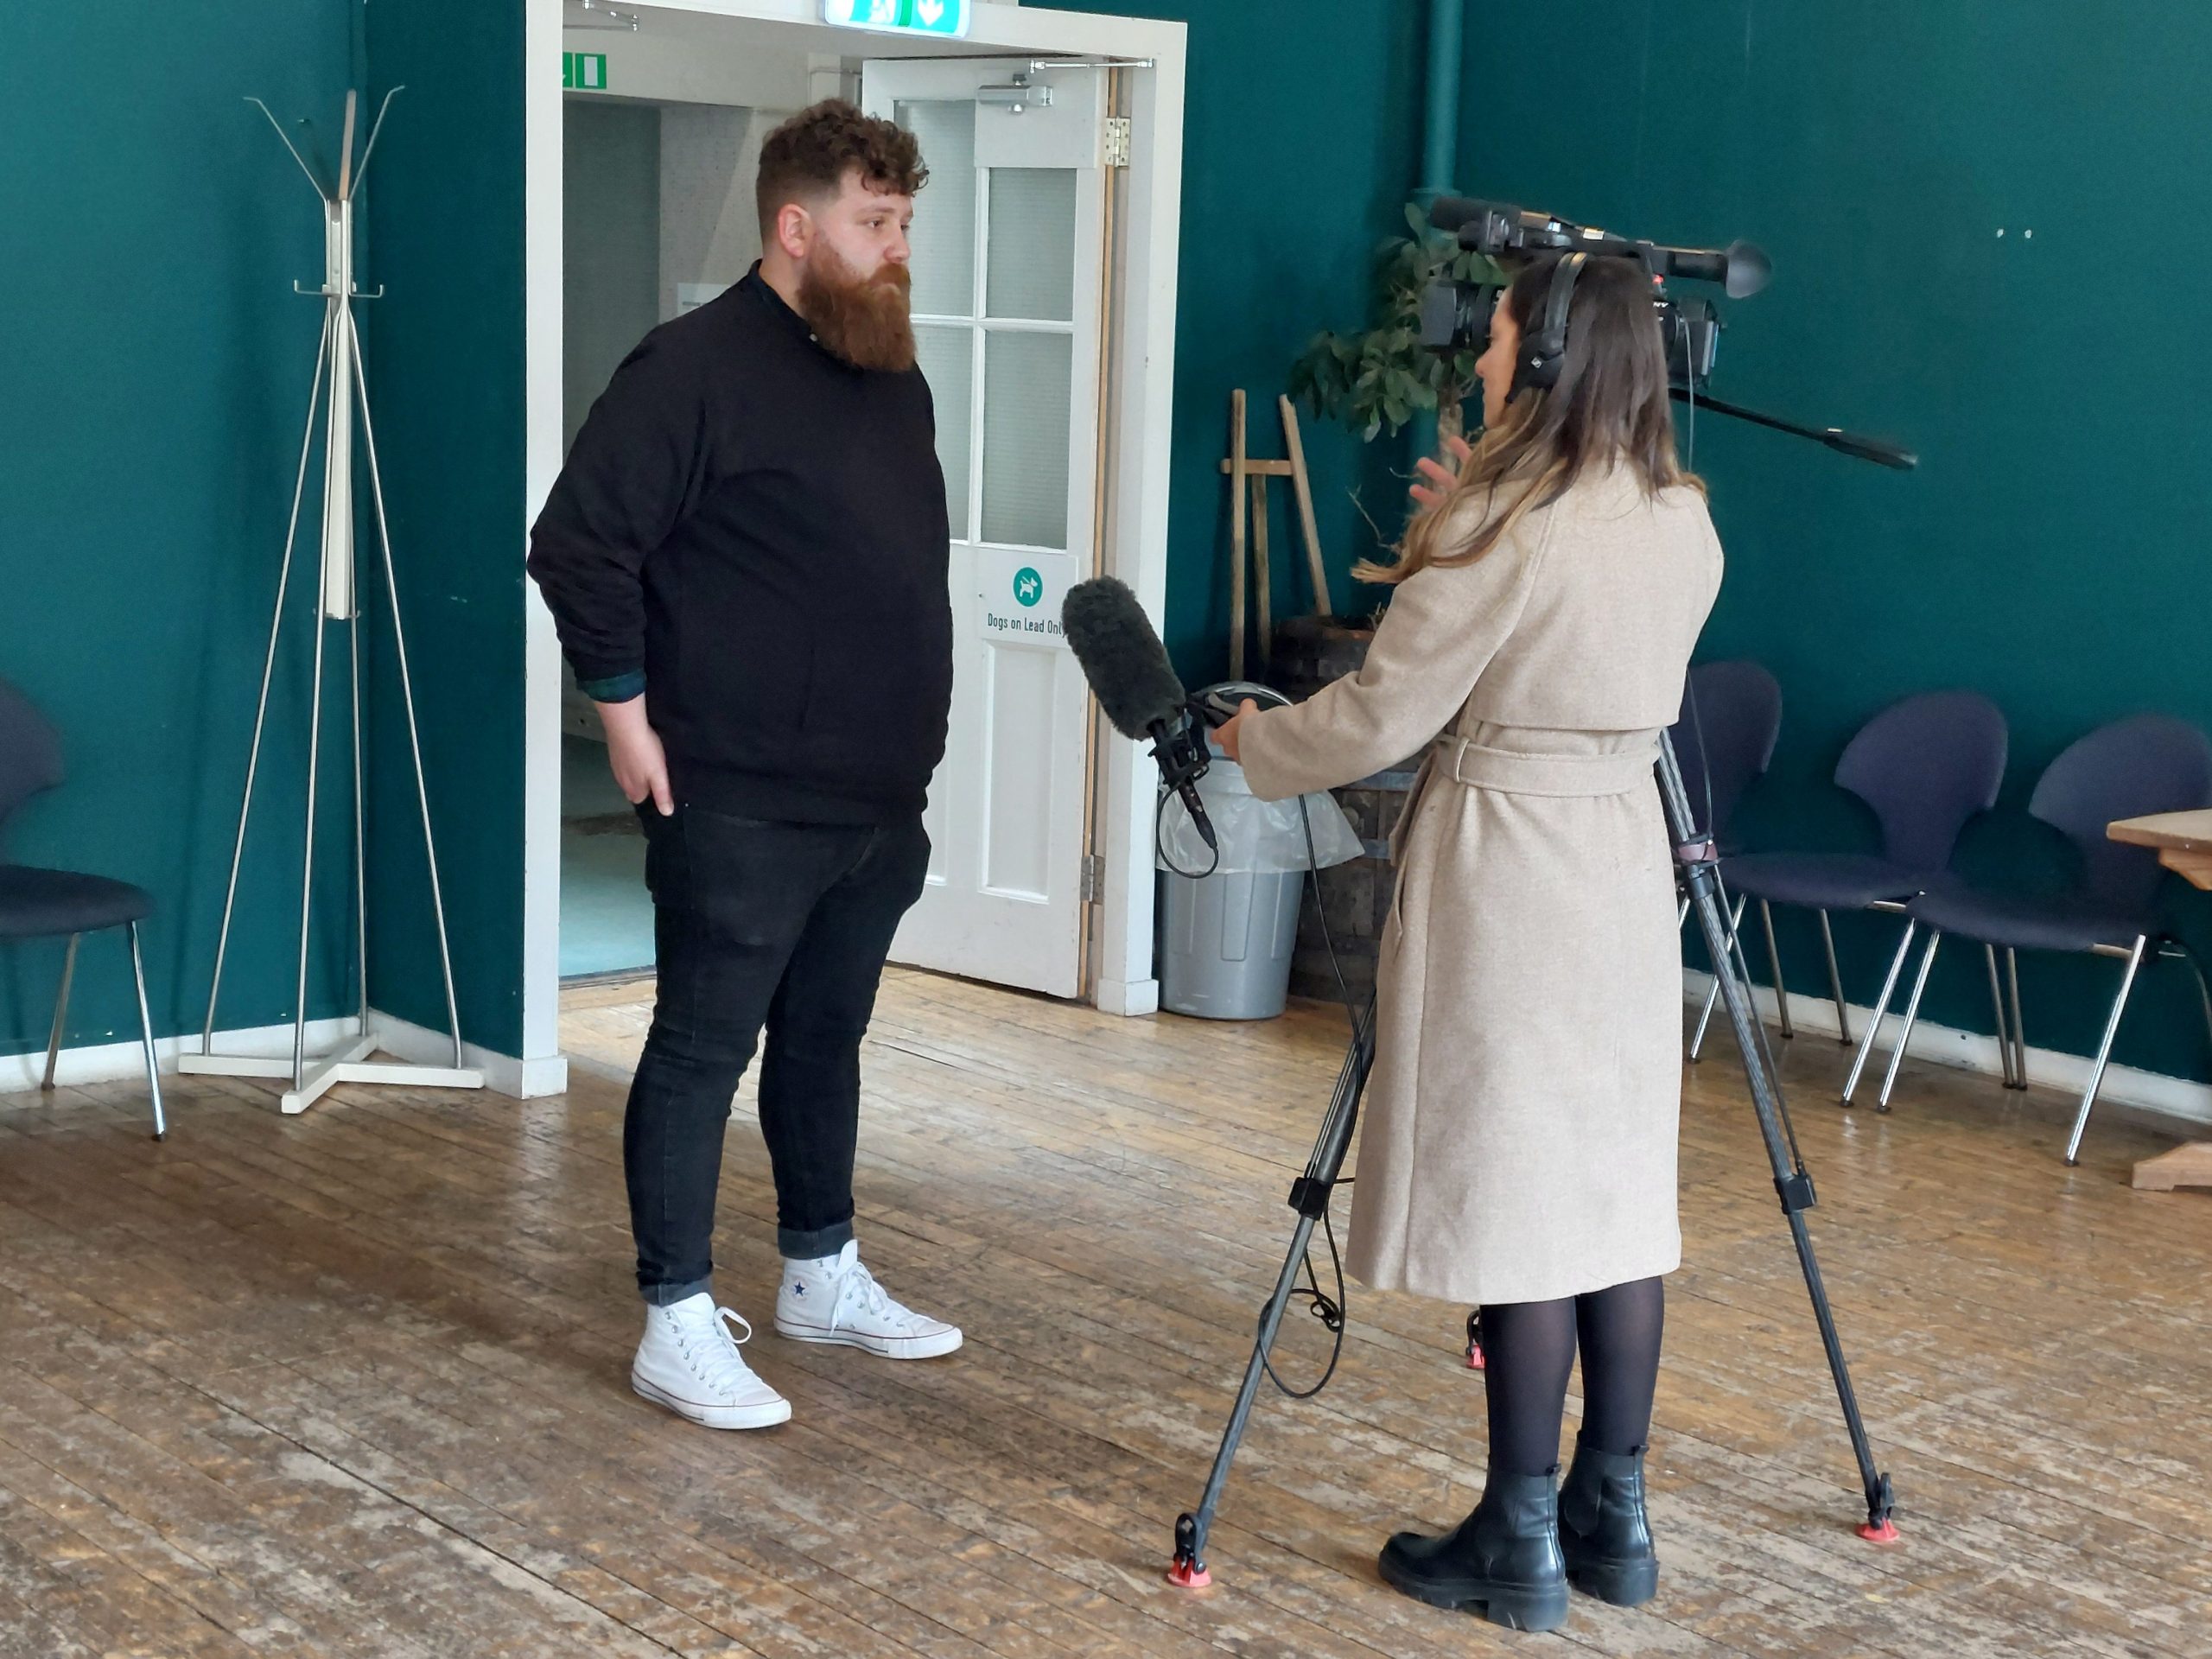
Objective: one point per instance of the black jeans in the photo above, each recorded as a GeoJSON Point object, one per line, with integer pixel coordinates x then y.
{"type": "Point", "coordinates": [781, 925]}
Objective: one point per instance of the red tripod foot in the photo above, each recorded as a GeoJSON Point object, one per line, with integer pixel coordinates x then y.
{"type": "Point", "coordinates": [1884, 1531]}
{"type": "Point", "coordinates": [1190, 1575]}
{"type": "Point", "coordinates": [1475, 1361]}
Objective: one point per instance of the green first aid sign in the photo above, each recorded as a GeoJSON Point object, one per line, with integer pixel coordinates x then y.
{"type": "Point", "coordinates": [899, 16]}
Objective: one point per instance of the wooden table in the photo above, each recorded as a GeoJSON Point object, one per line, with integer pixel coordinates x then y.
{"type": "Point", "coordinates": [2184, 841]}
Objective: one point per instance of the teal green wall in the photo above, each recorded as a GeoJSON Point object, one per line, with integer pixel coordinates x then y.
{"type": "Point", "coordinates": [1301, 138]}
{"type": "Point", "coordinates": [150, 427]}
{"type": "Point", "coordinates": [445, 354]}
{"type": "Point", "coordinates": [2048, 551]}
{"type": "Point", "coordinates": [150, 413]}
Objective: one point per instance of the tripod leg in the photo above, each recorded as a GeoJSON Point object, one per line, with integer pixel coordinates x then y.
{"type": "Point", "coordinates": [1793, 1185]}
{"type": "Point", "coordinates": [1309, 1197]}
{"type": "Point", "coordinates": [1189, 1569]}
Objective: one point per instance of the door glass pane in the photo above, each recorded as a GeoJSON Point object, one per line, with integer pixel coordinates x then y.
{"type": "Point", "coordinates": [946, 356]}
{"type": "Point", "coordinates": [944, 236]}
{"type": "Point", "coordinates": [1028, 386]}
{"type": "Point", "coordinates": [1033, 243]}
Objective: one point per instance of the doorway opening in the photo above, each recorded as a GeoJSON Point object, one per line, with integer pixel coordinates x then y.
{"type": "Point", "coordinates": [1043, 300]}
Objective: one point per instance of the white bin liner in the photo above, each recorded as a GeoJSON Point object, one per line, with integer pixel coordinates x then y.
{"type": "Point", "coordinates": [1257, 837]}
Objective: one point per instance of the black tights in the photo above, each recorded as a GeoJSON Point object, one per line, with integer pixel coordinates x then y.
{"type": "Point", "coordinates": [1527, 1351]}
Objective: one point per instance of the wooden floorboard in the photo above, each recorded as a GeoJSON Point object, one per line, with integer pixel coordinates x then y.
{"type": "Point", "coordinates": [355, 1382]}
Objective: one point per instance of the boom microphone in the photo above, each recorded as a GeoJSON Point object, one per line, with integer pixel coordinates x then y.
{"type": "Point", "coordinates": [1135, 685]}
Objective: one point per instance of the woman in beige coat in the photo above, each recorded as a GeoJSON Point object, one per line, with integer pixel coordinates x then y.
{"type": "Point", "coordinates": [1520, 1137]}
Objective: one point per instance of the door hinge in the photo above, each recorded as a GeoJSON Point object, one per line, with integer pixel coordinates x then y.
{"type": "Point", "coordinates": [1094, 878]}
{"type": "Point", "coordinates": [1117, 140]}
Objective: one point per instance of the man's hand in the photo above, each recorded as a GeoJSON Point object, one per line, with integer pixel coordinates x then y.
{"type": "Point", "coordinates": [1440, 477]}
{"type": "Point", "coordinates": [633, 751]}
{"type": "Point", "coordinates": [1227, 734]}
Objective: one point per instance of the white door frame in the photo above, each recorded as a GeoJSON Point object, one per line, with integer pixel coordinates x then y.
{"type": "Point", "coordinates": [1141, 385]}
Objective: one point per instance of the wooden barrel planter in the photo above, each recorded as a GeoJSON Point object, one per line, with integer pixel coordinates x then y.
{"type": "Point", "coordinates": [1311, 652]}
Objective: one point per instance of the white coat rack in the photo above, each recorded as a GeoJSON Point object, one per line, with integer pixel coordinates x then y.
{"type": "Point", "coordinates": [338, 399]}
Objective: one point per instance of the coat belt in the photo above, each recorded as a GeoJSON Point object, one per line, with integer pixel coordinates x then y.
{"type": "Point", "coordinates": [1513, 773]}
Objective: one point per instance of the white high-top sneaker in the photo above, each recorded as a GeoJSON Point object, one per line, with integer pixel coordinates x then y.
{"type": "Point", "coordinates": [837, 1300]}
{"type": "Point", "coordinates": [689, 1362]}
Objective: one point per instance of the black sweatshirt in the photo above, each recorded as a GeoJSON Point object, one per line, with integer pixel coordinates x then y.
{"type": "Point", "coordinates": [753, 532]}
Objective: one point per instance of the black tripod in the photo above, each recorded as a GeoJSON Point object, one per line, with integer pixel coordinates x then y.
{"type": "Point", "coordinates": [1310, 1194]}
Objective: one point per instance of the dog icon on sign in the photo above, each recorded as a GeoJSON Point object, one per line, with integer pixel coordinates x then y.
{"type": "Point", "coordinates": [1028, 587]}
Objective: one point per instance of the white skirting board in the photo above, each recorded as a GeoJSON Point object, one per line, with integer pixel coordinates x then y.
{"type": "Point", "coordinates": [107, 1062]}
{"type": "Point", "coordinates": [1969, 1050]}
{"type": "Point", "coordinates": [1135, 997]}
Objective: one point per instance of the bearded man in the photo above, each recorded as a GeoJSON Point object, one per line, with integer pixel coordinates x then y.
{"type": "Point", "coordinates": [745, 557]}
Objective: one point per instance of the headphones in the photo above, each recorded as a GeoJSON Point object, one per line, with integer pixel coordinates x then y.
{"type": "Point", "coordinates": [1544, 350]}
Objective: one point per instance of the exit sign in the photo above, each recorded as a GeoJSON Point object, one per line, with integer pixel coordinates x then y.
{"type": "Point", "coordinates": [899, 16]}
{"type": "Point", "coordinates": [584, 72]}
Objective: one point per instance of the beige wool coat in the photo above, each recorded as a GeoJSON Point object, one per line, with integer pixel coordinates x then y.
{"type": "Point", "coordinates": [1520, 1125]}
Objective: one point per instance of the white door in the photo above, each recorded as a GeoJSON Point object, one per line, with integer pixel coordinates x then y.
{"type": "Point", "coordinates": [1007, 292]}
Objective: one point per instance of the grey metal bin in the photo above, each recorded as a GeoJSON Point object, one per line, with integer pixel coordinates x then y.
{"type": "Point", "coordinates": [1226, 939]}
{"type": "Point", "coordinates": [1226, 942]}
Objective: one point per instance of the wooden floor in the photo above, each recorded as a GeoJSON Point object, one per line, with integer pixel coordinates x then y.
{"type": "Point", "coordinates": [355, 1384]}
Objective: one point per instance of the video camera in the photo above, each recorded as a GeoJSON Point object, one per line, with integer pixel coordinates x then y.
{"type": "Point", "coordinates": [1455, 316]}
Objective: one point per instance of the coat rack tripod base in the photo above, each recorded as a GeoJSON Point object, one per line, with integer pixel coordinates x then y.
{"type": "Point", "coordinates": [347, 1064]}
{"type": "Point", "coordinates": [339, 403]}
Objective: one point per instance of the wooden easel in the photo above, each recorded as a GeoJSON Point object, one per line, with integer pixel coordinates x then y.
{"type": "Point", "coordinates": [1240, 467]}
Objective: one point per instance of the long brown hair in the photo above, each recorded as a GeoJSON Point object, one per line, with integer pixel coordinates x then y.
{"type": "Point", "coordinates": [1610, 403]}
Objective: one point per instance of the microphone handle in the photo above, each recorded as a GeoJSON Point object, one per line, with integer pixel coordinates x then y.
{"type": "Point", "coordinates": [1197, 809]}
{"type": "Point", "coordinates": [1183, 757]}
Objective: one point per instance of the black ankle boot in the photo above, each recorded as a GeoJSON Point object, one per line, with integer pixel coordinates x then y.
{"type": "Point", "coordinates": [1603, 1530]}
{"type": "Point", "coordinates": [1504, 1558]}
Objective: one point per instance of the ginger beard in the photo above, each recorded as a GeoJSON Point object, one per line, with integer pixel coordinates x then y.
{"type": "Point", "coordinates": [864, 320]}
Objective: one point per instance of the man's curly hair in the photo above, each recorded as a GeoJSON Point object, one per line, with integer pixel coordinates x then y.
{"type": "Point", "coordinates": [805, 159]}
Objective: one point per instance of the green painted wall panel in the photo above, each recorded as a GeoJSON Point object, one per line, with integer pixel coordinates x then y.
{"type": "Point", "coordinates": [2046, 552]}
{"type": "Point", "coordinates": [150, 416]}
{"type": "Point", "coordinates": [1301, 138]}
{"type": "Point", "coordinates": [445, 354]}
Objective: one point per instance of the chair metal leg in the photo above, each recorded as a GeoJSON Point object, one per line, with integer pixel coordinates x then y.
{"type": "Point", "coordinates": [1881, 1012]}
{"type": "Point", "coordinates": [1835, 982]}
{"type": "Point", "coordinates": [1911, 1013]}
{"type": "Point", "coordinates": [1713, 991]}
{"type": "Point", "coordinates": [61, 1011]}
{"type": "Point", "coordinates": [1997, 1001]}
{"type": "Point", "coordinates": [2104, 1051]}
{"type": "Point", "coordinates": [1773, 960]}
{"type": "Point", "coordinates": [2173, 947]}
{"type": "Point", "coordinates": [146, 1035]}
{"type": "Point", "coordinates": [2020, 1031]}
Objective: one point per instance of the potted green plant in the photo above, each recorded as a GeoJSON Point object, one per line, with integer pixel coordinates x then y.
{"type": "Point", "coordinates": [1373, 381]}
